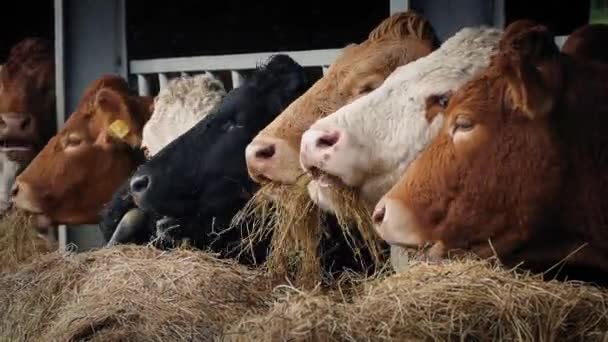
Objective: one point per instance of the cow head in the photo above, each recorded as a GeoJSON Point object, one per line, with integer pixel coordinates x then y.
{"type": "Point", "coordinates": [204, 169]}
{"type": "Point", "coordinates": [490, 180]}
{"type": "Point", "coordinates": [27, 108]}
{"type": "Point", "coordinates": [81, 166]}
{"type": "Point", "coordinates": [368, 143]}
{"type": "Point", "coordinates": [400, 39]}
{"type": "Point", "coordinates": [179, 106]}
{"type": "Point", "coordinates": [588, 41]}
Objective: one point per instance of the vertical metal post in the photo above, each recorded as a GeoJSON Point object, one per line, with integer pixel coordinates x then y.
{"type": "Point", "coordinates": [62, 233]}
{"type": "Point", "coordinates": [324, 69]}
{"type": "Point", "coordinates": [142, 85]}
{"type": "Point", "coordinates": [162, 80]}
{"type": "Point", "coordinates": [399, 6]}
{"type": "Point", "coordinates": [237, 78]}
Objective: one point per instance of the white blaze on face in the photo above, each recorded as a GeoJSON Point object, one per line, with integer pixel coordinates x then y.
{"type": "Point", "coordinates": [382, 132]}
{"type": "Point", "coordinates": [180, 105]}
{"type": "Point", "coordinates": [9, 170]}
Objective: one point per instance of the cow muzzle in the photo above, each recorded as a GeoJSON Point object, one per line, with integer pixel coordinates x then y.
{"type": "Point", "coordinates": [272, 160]}
{"type": "Point", "coordinates": [396, 224]}
{"type": "Point", "coordinates": [333, 152]}
{"type": "Point", "coordinates": [23, 197]}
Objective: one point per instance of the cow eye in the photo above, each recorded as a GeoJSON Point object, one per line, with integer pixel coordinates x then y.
{"type": "Point", "coordinates": [443, 100]}
{"type": "Point", "coordinates": [367, 88]}
{"type": "Point", "coordinates": [463, 124]}
{"type": "Point", "coordinates": [72, 140]}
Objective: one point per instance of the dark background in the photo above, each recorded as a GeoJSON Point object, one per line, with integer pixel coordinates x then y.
{"type": "Point", "coordinates": [157, 29]}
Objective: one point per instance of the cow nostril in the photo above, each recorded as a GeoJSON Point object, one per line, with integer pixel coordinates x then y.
{"type": "Point", "coordinates": [328, 140]}
{"type": "Point", "coordinates": [266, 152]}
{"type": "Point", "coordinates": [15, 190]}
{"type": "Point", "coordinates": [140, 184]}
{"type": "Point", "coordinates": [25, 123]}
{"type": "Point", "coordinates": [378, 216]}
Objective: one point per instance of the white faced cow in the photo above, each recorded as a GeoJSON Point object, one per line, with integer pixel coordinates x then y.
{"type": "Point", "coordinates": [179, 106]}
{"type": "Point", "coordinates": [368, 144]}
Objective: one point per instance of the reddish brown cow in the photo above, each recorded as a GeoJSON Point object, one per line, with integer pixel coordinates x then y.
{"type": "Point", "coordinates": [402, 38]}
{"type": "Point", "coordinates": [80, 167]}
{"type": "Point", "coordinates": [589, 41]}
{"type": "Point", "coordinates": [520, 167]}
{"type": "Point", "coordinates": [27, 108]}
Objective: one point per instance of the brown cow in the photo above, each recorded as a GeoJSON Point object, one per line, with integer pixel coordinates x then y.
{"type": "Point", "coordinates": [520, 167]}
{"type": "Point", "coordinates": [96, 150]}
{"type": "Point", "coordinates": [27, 109]}
{"type": "Point", "coordinates": [589, 41]}
{"type": "Point", "coordinates": [400, 39]}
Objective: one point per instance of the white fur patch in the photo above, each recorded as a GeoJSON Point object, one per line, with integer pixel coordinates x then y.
{"type": "Point", "coordinates": [388, 127]}
{"type": "Point", "coordinates": [8, 173]}
{"type": "Point", "coordinates": [180, 105]}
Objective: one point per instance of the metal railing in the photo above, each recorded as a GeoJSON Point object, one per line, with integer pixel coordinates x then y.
{"type": "Point", "coordinates": [235, 64]}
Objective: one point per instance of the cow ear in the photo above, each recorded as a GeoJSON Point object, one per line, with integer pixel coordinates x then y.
{"type": "Point", "coordinates": [533, 71]}
{"type": "Point", "coordinates": [405, 25]}
{"type": "Point", "coordinates": [109, 101]}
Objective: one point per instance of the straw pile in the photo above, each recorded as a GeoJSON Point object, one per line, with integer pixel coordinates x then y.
{"type": "Point", "coordinates": [20, 241]}
{"type": "Point", "coordinates": [458, 300]}
{"type": "Point", "coordinates": [127, 293]}
{"type": "Point", "coordinates": [296, 226]}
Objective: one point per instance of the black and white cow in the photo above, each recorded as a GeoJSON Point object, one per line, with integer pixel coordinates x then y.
{"type": "Point", "coordinates": [199, 181]}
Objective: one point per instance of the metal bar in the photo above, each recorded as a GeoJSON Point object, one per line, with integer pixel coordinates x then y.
{"type": "Point", "coordinates": [324, 69]}
{"type": "Point", "coordinates": [399, 6]}
{"type": "Point", "coordinates": [560, 40]}
{"type": "Point", "coordinates": [162, 80]}
{"type": "Point", "coordinates": [60, 92]}
{"type": "Point", "coordinates": [229, 62]}
{"type": "Point", "coordinates": [237, 78]}
{"type": "Point", "coordinates": [121, 39]}
{"type": "Point", "coordinates": [142, 86]}
{"type": "Point", "coordinates": [499, 14]}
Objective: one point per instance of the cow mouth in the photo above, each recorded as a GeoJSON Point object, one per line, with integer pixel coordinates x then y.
{"type": "Point", "coordinates": [16, 145]}
{"type": "Point", "coordinates": [326, 180]}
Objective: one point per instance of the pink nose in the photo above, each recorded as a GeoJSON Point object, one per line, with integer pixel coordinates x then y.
{"type": "Point", "coordinates": [317, 147]}
{"type": "Point", "coordinates": [260, 155]}
{"type": "Point", "coordinates": [396, 224]}
{"type": "Point", "coordinates": [16, 124]}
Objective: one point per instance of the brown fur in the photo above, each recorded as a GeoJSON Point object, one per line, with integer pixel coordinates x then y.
{"type": "Point", "coordinates": [529, 181]}
{"type": "Point", "coordinates": [398, 40]}
{"type": "Point", "coordinates": [589, 41]}
{"type": "Point", "coordinates": [27, 87]}
{"type": "Point", "coordinates": [70, 184]}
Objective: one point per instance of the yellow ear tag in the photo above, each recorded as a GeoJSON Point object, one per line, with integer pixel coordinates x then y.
{"type": "Point", "coordinates": [119, 129]}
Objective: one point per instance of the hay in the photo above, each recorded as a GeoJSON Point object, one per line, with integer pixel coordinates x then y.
{"type": "Point", "coordinates": [294, 229]}
{"type": "Point", "coordinates": [454, 301]}
{"type": "Point", "coordinates": [20, 241]}
{"type": "Point", "coordinates": [295, 225]}
{"type": "Point", "coordinates": [127, 293]}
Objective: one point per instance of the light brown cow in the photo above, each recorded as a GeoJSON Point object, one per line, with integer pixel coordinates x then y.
{"type": "Point", "coordinates": [96, 150]}
{"type": "Point", "coordinates": [402, 38]}
{"type": "Point", "coordinates": [589, 41]}
{"type": "Point", "coordinates": [520, 167]}
{"type": "Point", "coordinates": [27, 109]}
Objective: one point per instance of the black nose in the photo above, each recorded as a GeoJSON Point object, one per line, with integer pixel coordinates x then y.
{"type": "Point", "coordinates": [140, 184]}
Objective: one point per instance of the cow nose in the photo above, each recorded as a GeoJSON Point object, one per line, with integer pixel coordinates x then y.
{"type": "Point", "coordinates": [317, 147]}
{"type": "Point", "coordinates": [140, 184]}
{"type": "Point", "coordinates": [260, 156]}
{"type": "Point", "coordinates": [15, 189]}
{"type": "Point", "coordinates": [396, 224]}
{"type": "Point", "coordinates": [378, 216]}
{"type": "Point", "coordinates": [16, 124]}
